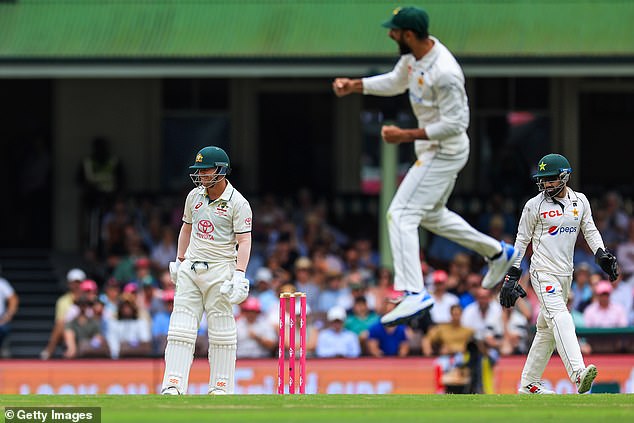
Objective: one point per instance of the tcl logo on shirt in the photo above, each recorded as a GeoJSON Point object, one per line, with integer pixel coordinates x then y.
{"type": "Point", "coordinates": [551, 213]}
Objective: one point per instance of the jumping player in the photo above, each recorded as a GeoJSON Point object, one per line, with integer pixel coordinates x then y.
{"type": "Point", "coordinates": [209, 274]}
{"type": "Point", "coordinates": [551, 221]}
{"type": "Point", "coordinates": [438, 98]}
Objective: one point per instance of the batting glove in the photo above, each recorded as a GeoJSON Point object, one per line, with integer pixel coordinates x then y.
{"type": "Point", "coordinates": [173, 267]}
{"type": "Point", "coordinates": [237, 289]}
{"type": "Point", "coordinates": [607, 261]}
{"type": "Point", "coordinates": [511, 289]}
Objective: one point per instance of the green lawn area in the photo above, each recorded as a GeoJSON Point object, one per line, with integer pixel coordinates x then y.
{"type": "Point", "coordinates": [343, 408]}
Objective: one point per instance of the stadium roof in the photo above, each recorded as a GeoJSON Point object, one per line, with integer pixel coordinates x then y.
{"type": "Point", "coordinates": [302, 33]}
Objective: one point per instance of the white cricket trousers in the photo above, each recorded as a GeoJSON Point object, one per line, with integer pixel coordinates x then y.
{"type": "Point", "coordinates": [555, 327]}
{"type": "Point", "coordinates": [421, 200]}
{"type": "Point", "coordinates": [198, 290]}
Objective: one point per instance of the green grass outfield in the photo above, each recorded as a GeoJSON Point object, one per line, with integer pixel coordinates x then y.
{"type": "Point", "coordinates": [343, 408]}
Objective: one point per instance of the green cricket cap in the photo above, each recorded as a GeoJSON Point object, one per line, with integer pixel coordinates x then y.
{"type": "Point", "coordinates": [409, 17]}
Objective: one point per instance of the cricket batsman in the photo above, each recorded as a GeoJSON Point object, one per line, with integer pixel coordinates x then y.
{"type": "Point", "coordinates": [552, 221]}
{"type": "Point", "coordinates": [209, 274]}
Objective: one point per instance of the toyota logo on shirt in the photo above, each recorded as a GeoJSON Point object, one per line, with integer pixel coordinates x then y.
{"type": "Point", "coordinates": [205, 228]}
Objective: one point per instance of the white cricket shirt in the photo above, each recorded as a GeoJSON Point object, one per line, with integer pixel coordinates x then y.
{"type": "Point", "coordinates": [215, 224]}
{"type": "Point", "coordinates": [436, 93]}
{"type": "Point", "coordinates": [553, 227]}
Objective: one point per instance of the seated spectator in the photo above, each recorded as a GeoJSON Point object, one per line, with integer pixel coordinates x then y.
{"type": "Point", "coordinates": [392, 341]}
{"type": "Point", "coordinates": [263, 289]}
{"type": "Point", "coordinates": [450, 342]}
{"type": "Point", "coordinates": [381, 290]}
{"type": "Point", "coordinates": [368, 257]}
{"type": "Point", "coordinates": [577, 319]}
{"type": "Point", "coordinates": [129, 335]}
{"type": "Point", "coordinates": [305, 281]}
{"type": "Point", "coordinates": [256, 338]}
{"type": "Point", "coordinates": [448, 338]}
{"type": "Point", "coordinates": [443, 300]}
{"type": "Point", "coordinates": [88, 288]}
{"type": "Point", "coordinates": [471, 285]}
{"type": "Point", "coordinates": [356, 287]}
{"type": "Point", "coordinates": [352, 264]}
{"type": "Point", "coordinates": [581, 287]}
{"type": "Point", "coordinates": [332, 294]}
{"type": "Point", "coordinates": [131, 292]}
{"type": "Point", "coordinates": [83, 334]}
{"type": "Point", "coordinates": [110, 299]}
{"type": "Point", "coordinates": [165, 251]}
{"type": "Point", "coordinates": [442, 251]}
{"type": "Point", "coordinates": [151, 297]}
{"type": "Point", "coordinates": [360, 319]}
{"type": "Point", "coordinates": [74, 277]}
{"type": "Point", "coordinates": [313, 322]}
{"type": "Point", "coordinates": [161, 322]}
{"type": "Point", "coordinates": [623, 294]}
{"type": "Point", "coordinates": [603, 313]}
{"type": "Point", "coordinates": [516, 322]}
{"type": "Point", "coordinates": [459, 271]}
{"type": "Point", "coordinates": [484, 316]}
{"type": "Point", "coordinates": [335, 340]}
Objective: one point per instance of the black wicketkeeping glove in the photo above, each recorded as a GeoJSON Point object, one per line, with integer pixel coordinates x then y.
{"type": "Point", "coordinates": [607, 261]}
{"type": "Point", "coordinates": [511, 289]}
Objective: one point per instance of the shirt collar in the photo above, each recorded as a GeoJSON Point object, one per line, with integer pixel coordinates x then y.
{"type": "Point", "coordinates": [225, 196]}
{"type": "Point", "coordinates": [432, 54]}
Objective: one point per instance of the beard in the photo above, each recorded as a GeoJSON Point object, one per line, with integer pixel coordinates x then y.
{"type": "Point", "coordinates": [403, 48]}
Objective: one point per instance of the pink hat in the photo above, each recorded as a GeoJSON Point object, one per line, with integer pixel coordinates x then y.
{"type": "Point", "coordinates": [439, 276]}
{"type": "Point", "coordinates": [168, 295]}
{"type": "Point", "coordinates": [142, 262]}
{"type": "Point", "coordinates": [251, 304]}
{"type": "Point", "coordinates": [603, 287]}
{"type": "Point", "coordinates": [394, 296]}
{"type": "Point", "coordinates": [88, 285]}
{"type": "Point", "coordinates": [130, 287]}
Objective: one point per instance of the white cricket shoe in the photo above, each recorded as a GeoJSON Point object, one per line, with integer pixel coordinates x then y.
{"type": "Point", "coordinates": [217, 391]}
{"type": "Point", "coordinates": [170, 390]}
{"type": "Point", "coordinates": [498, 267]}
{"type": "Point", "coordinates": [537, 388]}
{"type": "Point", "coordinates": [410, 306]}
{"type": "Point", "coordinates": [585, 378]}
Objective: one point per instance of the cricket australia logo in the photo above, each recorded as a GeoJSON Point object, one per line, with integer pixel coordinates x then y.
{"type": "Point", "coordinates": [205, 229]}
{"type": "Point", "coordinates": [222, 208]}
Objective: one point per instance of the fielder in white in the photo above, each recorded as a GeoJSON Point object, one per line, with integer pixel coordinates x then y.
{"type": "Point", "coordinates": [435, 82]}
{"type": "Point", "coordinates": [551, 221]}
{"type": "Point", "coordinates": [209, 274]}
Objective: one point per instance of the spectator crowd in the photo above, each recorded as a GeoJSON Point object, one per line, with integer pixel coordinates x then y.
{"type": "Point", "coordinates": [120, 297]}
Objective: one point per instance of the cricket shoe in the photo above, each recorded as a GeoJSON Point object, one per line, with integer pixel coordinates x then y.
{"type": "Point", "coordinates": [500, 265]}
{"type": "Point", "coordinates": [170, 390]}
{"type": "Point", "coordinates": [537, 388]}
{"type": "Point", "coordinates": [410, 306]}
{"type": "Point", "coordinates": [585, 378]}
{"type": "Point", "coordinates": [217, 391]}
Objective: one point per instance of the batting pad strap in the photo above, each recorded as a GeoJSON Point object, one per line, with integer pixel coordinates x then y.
{"type": "Point", "coordinates": [222, 330]}
{"type": "Point", "coordinates": [183, 326]}
{"type": "Point", "coordinates": [182, 335]}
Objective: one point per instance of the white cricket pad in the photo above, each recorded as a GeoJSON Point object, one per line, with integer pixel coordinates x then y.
{"type": "Point", "coordinates": [179, 352]}
{"type": "Point", "coordinates": [223, 340]}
